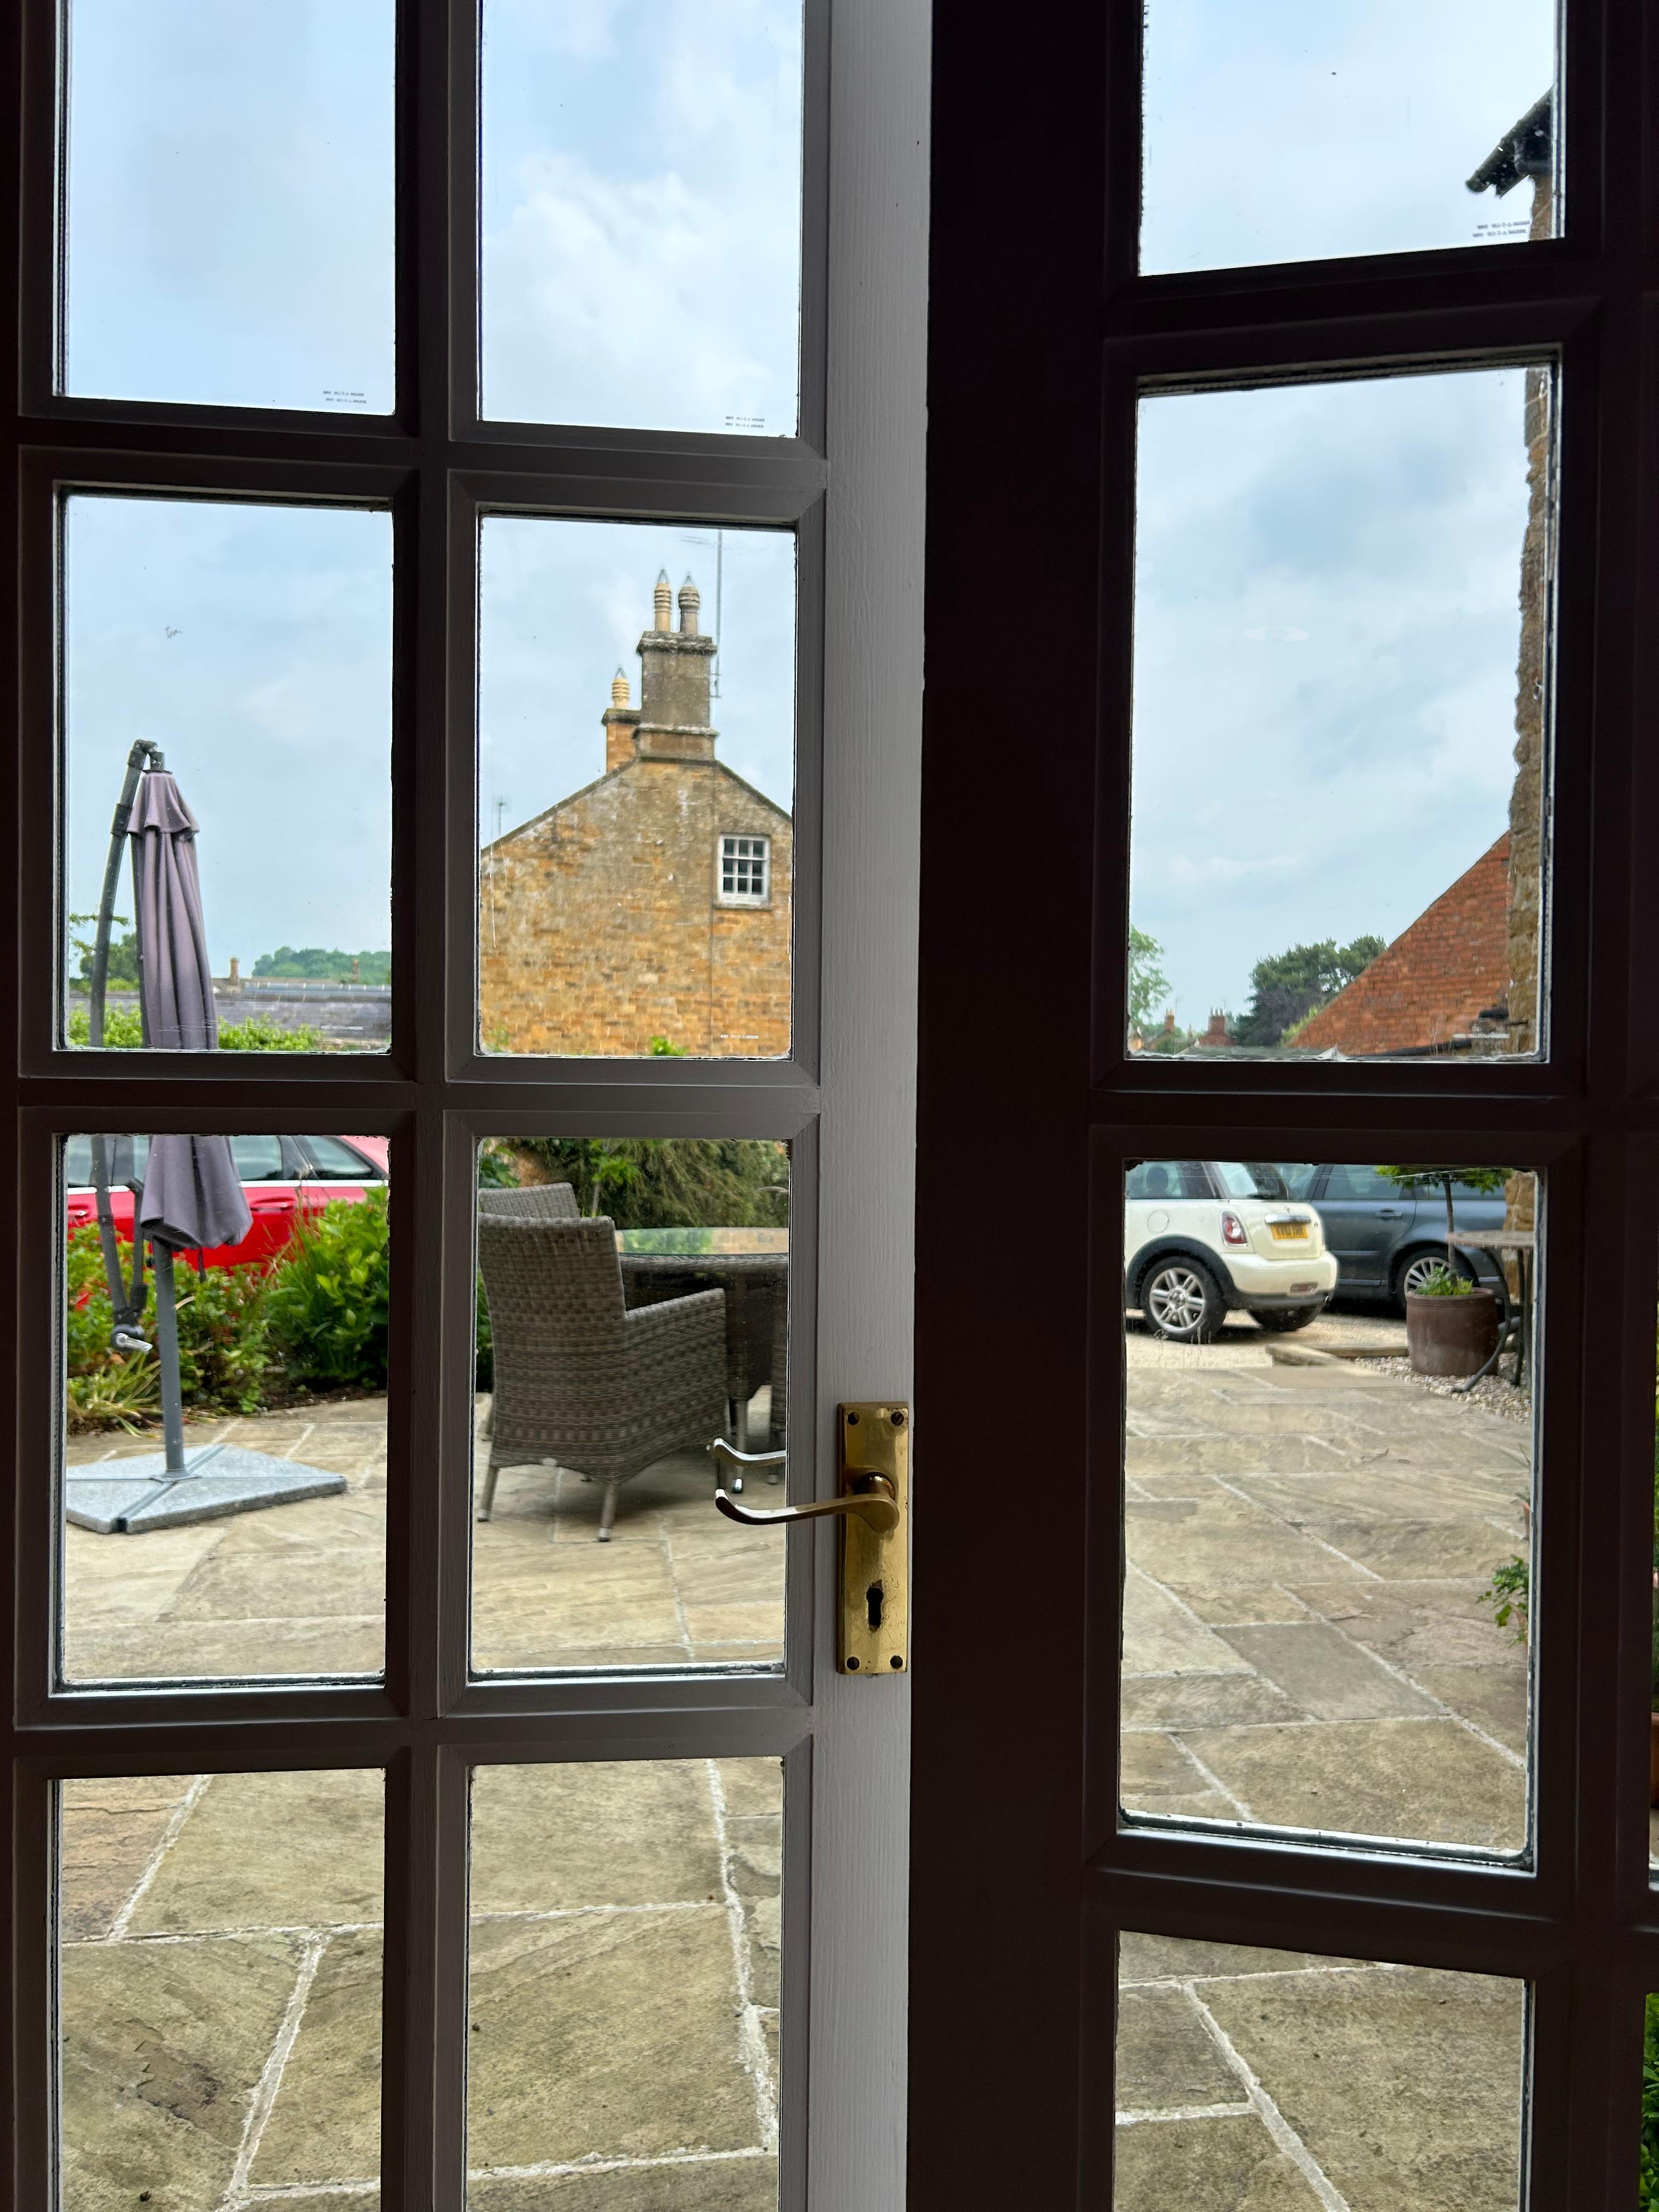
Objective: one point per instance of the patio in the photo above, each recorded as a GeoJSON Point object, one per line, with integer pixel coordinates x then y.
{"type": "Point", "coordinates": [1304, 1646]}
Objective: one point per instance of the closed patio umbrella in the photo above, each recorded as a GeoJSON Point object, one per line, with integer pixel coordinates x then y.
{"type": "Point", "coordinates": [192, 1194]}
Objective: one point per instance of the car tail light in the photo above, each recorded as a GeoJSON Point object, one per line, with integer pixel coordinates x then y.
{"type": "Point", "coordinates": [1232, 1230]}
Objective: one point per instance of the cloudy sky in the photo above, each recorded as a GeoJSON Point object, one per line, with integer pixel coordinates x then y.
{"type": "Point", "coordinates": [230, 241]}
{"type": "Point", "coordinates": [1325, 615]}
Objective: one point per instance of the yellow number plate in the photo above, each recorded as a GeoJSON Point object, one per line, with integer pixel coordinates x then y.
{"type": "Point", "coordinates": [1289, 1232]}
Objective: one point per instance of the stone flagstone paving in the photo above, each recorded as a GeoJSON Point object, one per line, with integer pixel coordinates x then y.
{"type": "Point", "coordinates": [1304, 1646]}
{"type": "Point", "coordinates": [221, 1989]}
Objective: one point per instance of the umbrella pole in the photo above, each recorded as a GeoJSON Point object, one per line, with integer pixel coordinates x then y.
{"type": "Point", "coordinates": [123, 1304]}
{"type": "Point", "coordinates": [167, 1348]}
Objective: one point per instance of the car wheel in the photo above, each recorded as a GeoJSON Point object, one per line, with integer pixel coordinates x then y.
{"type": "Point", "coordinates": [1413, 1270]}
{"type": "Point", "coordinates": [1283, 1317]}
{"type": "Point", "coordinates": [1182, 1301]}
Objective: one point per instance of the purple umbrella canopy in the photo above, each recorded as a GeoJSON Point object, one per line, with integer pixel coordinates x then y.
{"type": "Point", "coordinates": [193, 1195]}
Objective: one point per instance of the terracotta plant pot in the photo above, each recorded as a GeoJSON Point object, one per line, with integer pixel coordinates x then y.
{"type": "Point", "coordinates": [1451, 1336]}
{"type": "Point", "coordinates": [1653, 1758]}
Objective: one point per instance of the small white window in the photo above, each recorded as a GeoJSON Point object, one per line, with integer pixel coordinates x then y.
{"type": "Point", "coordinates": [745, 871]}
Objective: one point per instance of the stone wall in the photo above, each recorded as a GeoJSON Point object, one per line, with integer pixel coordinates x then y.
{"type": "Point", "coordinates": [599, 928]}
{"type": "Point", "coordinates": [1528, 795]}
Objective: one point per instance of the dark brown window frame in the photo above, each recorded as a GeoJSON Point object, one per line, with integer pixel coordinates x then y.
{"type": "Point", "coordinates": [1035, 282]}
{"type": "Point", "coordinates": [439, 468]}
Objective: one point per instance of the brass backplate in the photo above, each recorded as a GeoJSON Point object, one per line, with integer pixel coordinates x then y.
{"type": "Point", "coordinates": [874, 1439]}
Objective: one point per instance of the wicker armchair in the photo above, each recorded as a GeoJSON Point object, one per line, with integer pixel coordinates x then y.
{"type": "Point", "coordinates": [579, 1380]}
{"type": "Point", "coordinates": [544, 1201]}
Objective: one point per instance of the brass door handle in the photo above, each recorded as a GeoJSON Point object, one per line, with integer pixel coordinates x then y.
{"type": "Point", "coordinates": [874, 1501]}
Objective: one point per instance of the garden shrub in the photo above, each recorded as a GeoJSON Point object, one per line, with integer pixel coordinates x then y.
{"type": "Point", "coordinates": [223, 1341]}
{"type": "Point", "coordinates": [329, 1296]}
{"type": "Point", "coordinates": [1647, 2191]}
{"type": "Point", "coordinates": [124, 1032]}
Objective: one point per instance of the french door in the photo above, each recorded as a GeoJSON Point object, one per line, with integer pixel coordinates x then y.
{"type": "Point", "coordinates": [1232, 1796]}
{"type": "Point", "coordinates": [372, 365]}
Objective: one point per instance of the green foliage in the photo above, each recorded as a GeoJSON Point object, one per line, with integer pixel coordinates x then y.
{"type": "Point", "coordinates": [1648, 2180]}
{"type": "Point", "coordinates": [496, 1168]}
{"type": "Point", "coordinates": [1439, 1282]}
{"type": "Point", "coordinates": [1149, 986]}
{"type": "Point", "coordinates": [662, 1050]}
{"type": "Point", "coordinates": [259, 1035]}
{"type": "Point", "coordinates": [1509, 1595]}
{"type": "Point", "coordinates": [224, 1326]}
{"type": "Point", "coordinates": [1287, 988]}
{"type": "Point", "coordinates": [124, 1032]}
{"type": "Point", "coordinates": [1485, 1182]}
{"type": "Point", "coordinates": [330, 1293]}
{"type": "Point", "coordinates": [655, 1183]}
{"type": "Point", "coordinates": [223, 1348]}
{"type": "Point", "coordinates": [122, 1029]}
{"type": "Point", "coordinates": [312, 963]}
{"type": "Point", "coordinates": [123, 966]}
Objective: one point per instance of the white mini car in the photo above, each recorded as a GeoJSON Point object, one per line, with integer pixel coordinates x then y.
{"type": "Point", "coordinates": [1202, 1237]}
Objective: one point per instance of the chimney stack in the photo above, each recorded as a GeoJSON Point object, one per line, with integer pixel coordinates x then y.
{"type": "Point", "coordinates": [673, 719]}
{"type": "Point", "coordinates": [1216, 1034]}
{"type": "Point", "coordinates": [235, 969]}
{"type": "Point", "coordinates": [620, 720]}
{"type": "Point", "coordinates": [1169, 1022]}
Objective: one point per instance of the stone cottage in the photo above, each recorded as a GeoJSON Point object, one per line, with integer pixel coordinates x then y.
{"type": "Point", "coordinates": [655, 903]}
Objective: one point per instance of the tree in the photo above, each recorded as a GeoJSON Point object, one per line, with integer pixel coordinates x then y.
{"type": "Point", "coordinates": [1288, 987]}
{"type": "Point", "coordinates": [1148, 984]}
{"type": "Point", "coordinates": [323, 964]}
{"type": "Point", "coordinates": [1480, 1182]}
{"type": "Point", "coordinates": [123, 952]}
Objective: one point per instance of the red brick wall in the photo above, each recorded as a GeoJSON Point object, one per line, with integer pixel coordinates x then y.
{"type": "Point", "coordinates": [1437, 976]}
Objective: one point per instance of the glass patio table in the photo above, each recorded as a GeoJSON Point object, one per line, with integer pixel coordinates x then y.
{"type": "Point", "coordinates": [751, 1266]}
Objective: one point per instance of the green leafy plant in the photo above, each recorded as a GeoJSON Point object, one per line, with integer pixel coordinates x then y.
{"type": "Point", "coordinates": [223, 1341]}
{"type": "Point", "coordinates": [1475, 1183]}
{"type": "Point", "coordinates": [257, 1034]}
{"type": "Point", "coordinates": [654, 1182]}
{"type": "Point", "coordinates": [662, 1050]}
{"type": "Point", "coordinates": [496, 1169]}
{"type": "Point", "coordinates": [1647, 2179]}
{"type": "Point", "coordinates": [1439, 1282]}
{"type": "Point", "coordinates": [331, 1294]}
{"type": "Point", "coordinates": [124, 1032]}
{"type": "Point", "coordinates": [1509, 1595]}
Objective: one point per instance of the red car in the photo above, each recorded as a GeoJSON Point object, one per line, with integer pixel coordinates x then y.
{"type": "Point", "coordinates": [282, 1177]}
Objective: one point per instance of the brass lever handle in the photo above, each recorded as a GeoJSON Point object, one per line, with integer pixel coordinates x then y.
{"type": "Point", "coordinates": [875, 1502]}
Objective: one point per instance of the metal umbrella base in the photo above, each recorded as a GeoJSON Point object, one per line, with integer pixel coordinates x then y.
{"type": "Point", "coordinates": [125, 1497]}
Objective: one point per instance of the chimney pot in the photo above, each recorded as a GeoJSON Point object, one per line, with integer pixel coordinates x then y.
{"type": "Point", "coordinates": [662, 602]}
{"type": "Point", "coordinates": [619, 690]}
{"type": "Point", "coordinates": [691, 601]}
{"type": "Point", "coordinates": [235, 969]}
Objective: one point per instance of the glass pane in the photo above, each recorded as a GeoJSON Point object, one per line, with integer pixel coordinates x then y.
{"type": "Point", "coordinates": [633, 1306]}
{"type": "Point", "coordinates": [229, 226]}
{"type": "Point", "coordinates": [1280, 133]}
{"type": "Point", "coordinates": [1286, 2082]}
{"type": "Point", "coordinates": [219, 1989]}
{"type": "Point", "coordinates": [1342, 719]}
{"type": "Point", "coordinates": [642, 214]}
{"type": "Point", "coordinates": [624, 2000]}
{"type": "Point", "coordinates": [1328, 1494]}
{"type": "Point", "coordinates": [224, 1486]}
{"type": "Point", "coordinates": [616, 914]}
{"type": "Point", "coordinates": [252, 645]}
